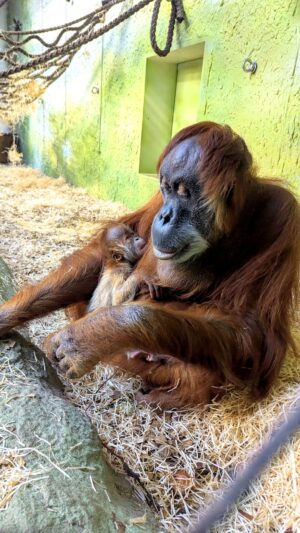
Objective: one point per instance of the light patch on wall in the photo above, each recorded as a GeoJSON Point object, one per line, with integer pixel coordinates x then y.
{"type": "Point", "coordinates": [171, 101]}
{"type": "Point", "coordinates": [187, 94]}
{"type": "Point", "coordinates": [67, 150]}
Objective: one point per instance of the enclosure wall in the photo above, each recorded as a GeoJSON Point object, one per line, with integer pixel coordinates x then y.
{"type": "Point", "coordinates": [88, 125]}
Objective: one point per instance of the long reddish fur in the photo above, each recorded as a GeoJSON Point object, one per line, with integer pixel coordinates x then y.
{"type": "Point", "coordinates": [238, 331]}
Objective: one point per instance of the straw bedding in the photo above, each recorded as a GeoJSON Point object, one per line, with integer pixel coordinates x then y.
{"type": "Point", "coordinates": [176, 459]}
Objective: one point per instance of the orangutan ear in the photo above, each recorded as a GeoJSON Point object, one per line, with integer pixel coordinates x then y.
{"type": "Point", "coordinates": [227, 208]}
{"type": "Point", "coordinates": [228, 195]}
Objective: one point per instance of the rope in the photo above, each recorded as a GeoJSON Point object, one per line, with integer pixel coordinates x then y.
{"type": "Point", "coordinates": [177, 13]}
{"type": "Point", "coordinates": [97, 13]}
{"type": "Point", "coordinates": [225, 499]}
{"type": "Point", "coordinates": [59, 27]}
{"type": "Point", "coordinates": [28, 74]}
{"type": "Point", "coordinates": [92, 19]}
{"type": "Point", "coordinates": [87, 37]}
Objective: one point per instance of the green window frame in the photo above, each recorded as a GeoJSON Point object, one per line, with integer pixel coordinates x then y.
{"type": "Point", "coordinates": [171, 101]}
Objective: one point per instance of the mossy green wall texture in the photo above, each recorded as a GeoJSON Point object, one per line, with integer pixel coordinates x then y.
{"type": "Point", "coordinates": [88, 124]}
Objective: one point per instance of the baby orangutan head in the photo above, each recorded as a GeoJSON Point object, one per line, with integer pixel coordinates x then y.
{"type": "Point", "coordinates": [123, 245]}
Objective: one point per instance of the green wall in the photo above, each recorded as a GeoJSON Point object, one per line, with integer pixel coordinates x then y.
{"type": "Point", "coordinates": [94, 139]}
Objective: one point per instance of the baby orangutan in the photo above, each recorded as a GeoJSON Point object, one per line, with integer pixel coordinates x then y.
{"type": "Point", "coordinates": [122, 248]}
{"type": "Point", "coordinates": [118, 284]}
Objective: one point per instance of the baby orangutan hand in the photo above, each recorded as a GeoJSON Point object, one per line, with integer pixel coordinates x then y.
{"type": "Point", "coordinates": [155, 291]}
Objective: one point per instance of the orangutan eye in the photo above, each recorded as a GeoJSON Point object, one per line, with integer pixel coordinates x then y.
{"type": "Point", "coordinates": [117, 257]}
{"type": "Point", "coordinates": [165, 185]}
{"type": "Point", "coordinates": [181, 189]}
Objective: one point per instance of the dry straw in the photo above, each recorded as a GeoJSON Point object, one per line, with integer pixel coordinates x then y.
{"type": "Point", "coordinates": [179, 458]}
{"type": "Point", "coordinates": [22, 93]}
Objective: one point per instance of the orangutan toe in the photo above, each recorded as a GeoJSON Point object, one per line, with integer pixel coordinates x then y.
{"type": "Point", "coordinates": [63, 352]}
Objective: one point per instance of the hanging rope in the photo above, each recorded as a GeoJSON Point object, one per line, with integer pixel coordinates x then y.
{"type": "Point", "coordinates": [29, 74]}
{"type": "Point", "coordinates": [177, 13]}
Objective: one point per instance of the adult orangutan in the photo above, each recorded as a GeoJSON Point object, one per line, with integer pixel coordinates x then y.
{"type": "Point", "coordinates": [225, 245]}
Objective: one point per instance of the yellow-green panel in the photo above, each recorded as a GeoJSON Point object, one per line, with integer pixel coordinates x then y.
{"type": "Point", "coordinates": [186, 108]}
{"type": "Point", "coordinates": [159, 97]}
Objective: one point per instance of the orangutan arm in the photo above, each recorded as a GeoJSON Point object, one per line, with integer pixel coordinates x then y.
{"type": "Point", "coordinates": [213, 340]}
{"type": "Point", "coordinates": [73, 281]}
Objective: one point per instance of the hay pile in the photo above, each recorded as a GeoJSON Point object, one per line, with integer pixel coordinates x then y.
{"type": "Point", "coordinates": [178, 458]}
{"type": "Point", "coordinates": [18, 95]}
{"type": "Point", "coordinates": [18, 99]}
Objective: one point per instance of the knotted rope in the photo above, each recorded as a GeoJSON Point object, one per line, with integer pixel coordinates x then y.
{"type": "Point", "coordinates": [177, 13]}
{"type": "Point", "coordinates": [29, 74]}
